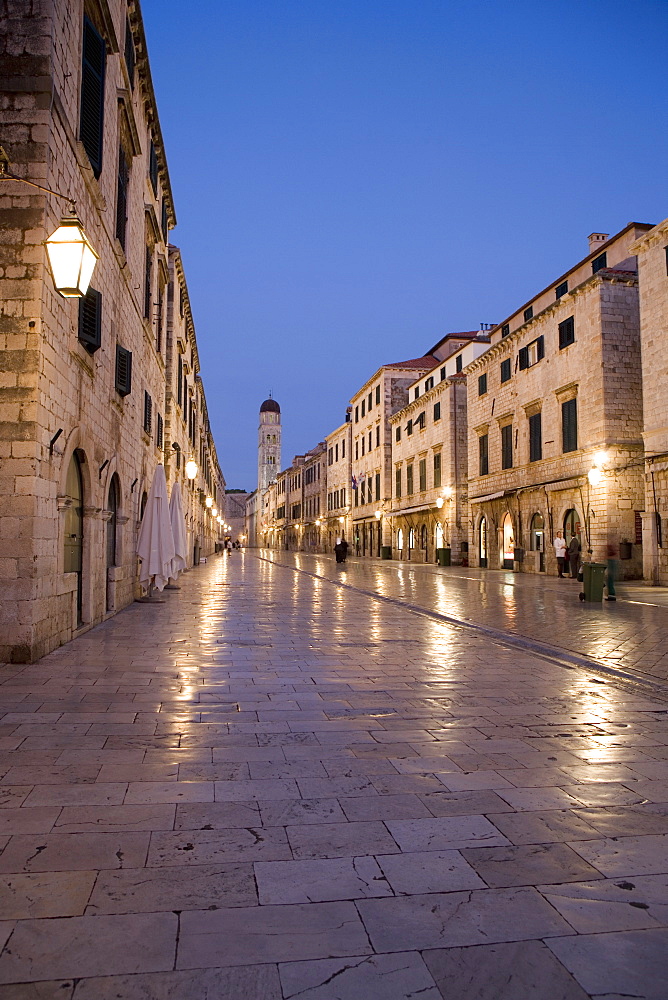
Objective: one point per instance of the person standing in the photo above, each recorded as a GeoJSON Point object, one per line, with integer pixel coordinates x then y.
{"type": "Point", "coordinates": [560, 552]}
{"type": "Point", "coordinates": [574, 549]}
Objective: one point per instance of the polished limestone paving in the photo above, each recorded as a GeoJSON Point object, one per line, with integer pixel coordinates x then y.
{"type": "Point", "coordinates": [275, 785]}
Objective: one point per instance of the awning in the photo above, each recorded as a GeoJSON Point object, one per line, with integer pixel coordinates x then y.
{"type": "Point", "coordinates": [490, 496]}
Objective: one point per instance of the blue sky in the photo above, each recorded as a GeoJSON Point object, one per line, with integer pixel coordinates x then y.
{"type": "Point", "coordinates": [354, 178]}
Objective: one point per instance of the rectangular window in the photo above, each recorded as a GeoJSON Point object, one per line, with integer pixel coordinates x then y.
{"type": "Point", "coordinates": [416, 392]}
{"type": "Point", "coordinates": [378, 486]}
{"type": "Point", "coordinates": [357, 413]}
{"type": "Point", "coordinates": [561, 289]}
{"type": "Point", "coordinates": [369, 402]}
{"type": "Point", "coordinates": [535, 438]}
{"type": "Point", "coordinates": [532, 353]}
{"type": "Point", "coordinates": [130, 53]}
{"type": "Point", "coordinates": [123, 371]}
{"type": "Point", "coordinates": [482, 384]}
{"type": "Point", "coordinates": [363, 442]}
{"type": "Point", "coordinates": [370, 488]}
{"type": "Point", "coordinates": [148, 413]}
{"type": "Point", "coordinates": [458, 362]}
{"type": "Point", "coordinates": [179, 382]}
{"type": "Point", "coordinates": [91, 127]}
{"type": "Point", "coordinates": [378, 436]}
{"type": "Point", "coordinates": [422, 474]}
{"type": "Point", "coordinates": [437, 411]}
{"type": "Point", "coordinates": [158, 430]}
{"type": "Point", "coordinates": [330, 456]}
{"type": "Point", "coordinates": [421, 420]}
{"type": "Point", "coordinates": [429, 384]}
{"type": "Point", "coordinates": [397, 433]}
{"type": "Point", "coordinates": [566, 332]}
{"type": "Point", "coordinates": [377, 395]}
{"type": "Point", "coordinates": [356, 496]}
{"type": "Point", "coordinates": [336, 453]}
{"type": "Point", "coordinates": [357, 450]}
{"type": "Point", "coordinates": [507, 446]}
{"type": "Point", "coordinates": [148, 277]}
{"type": "Point", "coordinates": [122, 197]}
{"type": "Point", "coordinates": [164, 221]}
{"type": "Point", "coordinates": [483, 454]}
{"type": "Point", "coordinates": [369, 440]}
{"type": "Point", "coordinates": [569, 425]}
{"type": "Point", "coordinates": [599, 262]}
{"type": "Point", "coordinates": [506, 372]}
{"type": "Point", "coordinates": [153, 168]}
{"type": "Point", "coordinates": [443, 374]}
{"type": "Point", "coordinates": [181, 303]}
{"type": "Point", "coordinates": [397, 483]}
{"type": "Point", "coordinates": [409, 479]}
{"type": "Point", "coordinates": [528, 314]}
{"type": "Point", "coordinates": [437, 470]}
{"type": "Point", "coordinates": [505, 330]}
{"type": "Point", "coordinates": [90, 320]}
{"type": "Point", "coordinates": [409, 428]}
{"type": "Point", "coordinates": [343, 448]}
{"type": "Point", "coordinates": [363, 407]}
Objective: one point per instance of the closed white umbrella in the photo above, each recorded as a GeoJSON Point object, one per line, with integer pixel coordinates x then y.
{"type": "Point", "coordinates": [155, 547]}
{"type": "Point", "coordinates": [178, 522]}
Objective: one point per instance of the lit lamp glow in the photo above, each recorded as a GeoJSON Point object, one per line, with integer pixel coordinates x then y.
{"type": "Point", "coordinates": [439, 502]}
{"type": "Point", "coordinates": [209, 502]}
{"type": "Point", "coordinates": [342, 520]}
{"type": "Point", "coordinates": [379, 514]}
{"type": "Point", "coordinates": [72, 258]}
{"type": "Point", "coordinates": [594, 476]}
{"type": "Point", "coordinates": [600, 459]}
{"type": "Point", "coordinates": [191, 469]}
{"type": "Point", "coordinates": [214, 511]}
{"type": "Point", "coordinates": [447, 492]}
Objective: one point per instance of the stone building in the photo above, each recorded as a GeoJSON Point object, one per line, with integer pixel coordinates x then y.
{"type": "Point", "coordinates": [337, 516]}
{"type": "Point", "coordinates": [268, 444]}
{"type": "Point", "coordinates": [429, 508]}
{"type": "Point", "coordinates": [82, 380]}
{"type": "Point", "coordinates": [371, 459]}
{"type": "Point", "coordinates": [555, 420]}
{"type": "Point", "coordinates": [314, 501]}
{"type": "Point", "coordinates": [652, 252]}
{"type": "Point", "coordinates": [235, 515]}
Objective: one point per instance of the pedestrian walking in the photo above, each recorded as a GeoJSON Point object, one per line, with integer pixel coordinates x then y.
{"type": "Point", "coordinates": [574, 549]}
{"type": "Point", "coordinates": [341, 550]}
{"type": "Point", "coordinates": [228, 546]}
{"type": "Point", "coordinates": [560, 548]}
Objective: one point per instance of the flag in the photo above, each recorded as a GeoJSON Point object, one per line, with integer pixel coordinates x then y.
{"type": "Point", "coordinates": [354, 481]}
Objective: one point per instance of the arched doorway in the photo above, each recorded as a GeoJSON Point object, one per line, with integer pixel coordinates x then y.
{"type": "Point", "coordinates": [572, 525]}
{"type": "Point", "coordinates": [508, 542]}
{"type": "Point", "coordinates": [73, 541]}
{"type": "Point", "coordinates": [423, 537]}
{"type": "Point", "coordinates": [482, 543]}
{"type": "Point", "coordinates": [113, 501]}
{"type": "Point", "coordinates": [537, 539]}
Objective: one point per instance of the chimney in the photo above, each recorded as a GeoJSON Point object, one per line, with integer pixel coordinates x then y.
{"type": "Point", "coordinates": [596, 240]}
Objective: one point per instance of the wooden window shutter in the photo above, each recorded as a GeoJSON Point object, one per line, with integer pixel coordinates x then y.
{"type": "Point", "coordinates": [92, 95]}
{"type": "Point", "coordinates": [122, 197]}
{"type": "Point", "coordinates": [148, 276]}
{"type": "Point", "coordinates": [123, 371]}
{"type": "Point", "coordinates": [540, 348]}
{"type": "Point", "coordinates": [158, 430]}
{"type": "Point", "coordinates": [148, 413]}
{"type": "Point", "coordinates": [179, 382]}
{"type": "Point", "coordinates": [90, 320]}
{"type": "Point", "coordinates": [153, 168]}
{"type": "Point", "coordinates": [524, 357]}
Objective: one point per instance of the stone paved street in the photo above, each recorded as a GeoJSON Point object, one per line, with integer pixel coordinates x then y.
{"type": "Point", "coordinates": [273, 786]}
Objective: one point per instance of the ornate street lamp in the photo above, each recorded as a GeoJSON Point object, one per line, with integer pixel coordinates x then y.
{"type": "Point", "coordinates": [209, 502]}
{"type": "Point", "coordinates": [72, 258]}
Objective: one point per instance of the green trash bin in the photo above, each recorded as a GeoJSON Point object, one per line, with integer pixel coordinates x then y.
{"type": "Point", "coordinates": [386, 552]}
{"type": "Point", "coordinates": [443, 556]}
{"type": "Point", "coordinates": [593, 576]}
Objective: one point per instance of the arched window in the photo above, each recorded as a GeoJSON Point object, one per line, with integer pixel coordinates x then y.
{"type": "Point", "coordinates": [411, 538]}
{"type": "Point", "coordinates": [400, 539]}
{"type": "Point", "coordinates": [439, 535]}
{"type": "Point", "coordinates": [113, 501]}
{"type": "Point", "coordinates": [423, 536]}
{"type": "Point", "coordinates": [73, 541]}
{"type": "Point", "coordinates": [482, 542]}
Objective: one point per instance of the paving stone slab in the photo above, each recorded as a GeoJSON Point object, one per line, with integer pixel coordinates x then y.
{"type": "Point", "coordinates": [109, 819]}
{"type": "Point", "coordinates": [57, 852]}
{"type": "Point", "coordinates": [611, 904]}
{"type": "Point", "coordinates": [216, 815]}
{"type": "Point", "coordinates": [373, 977]}
{"type": "Point", "coordinates": [624, 855]}
{"type": "Point", "coordinates": [270, 934]}
{"type": "Point", "coordinates": [428, 871]}
{"type": "Point", "coordinates": [198, 887]}
{"type": "Point", "coordinates": [384, 807]}
{"type": "Point", "coordinates": [526, 971]}
{"type": "Point", "coordinates": [200, 847]}
{"type": "Point", "coordinates": [45, 894]}
{"type": "Point", "coordinates": [632, 964]}
{"type": "Point", "coordinates": [54, 990]}
{"type": "Point", "coordinates": [89, 946]}
{"type": "Point", "coordinates": [247, 983]}
{"type": "Point", "coordinates": [442, 920]}
{"type": "Point", "coordinates": [444, 833]}
{"type": "Point", "coordinates": [293, 812]}
{"type": "Point", "coordinates": [320, 880]}
{"type": "Point", "coordinates": [550, 827]}
{"type": "Point", "coordinates": [340, 840]}
{"type": "Point", "coordinates": [528, 864]}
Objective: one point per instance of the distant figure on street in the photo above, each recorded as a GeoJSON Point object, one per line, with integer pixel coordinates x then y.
{"type": "Point", "coordinates": [341, 550]}
{"type": "Point", "coordinates": [574, 550]}
{"type": "Point", "coordinates": [560, 552]}
{"type": "Point", "coordinates": [228, 546]}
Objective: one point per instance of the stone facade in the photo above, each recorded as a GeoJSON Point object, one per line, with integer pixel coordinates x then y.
{"type": "Point", "coordinates": [429, 508]}
{"type": "Point", "coordinates": [235, 515]}
{"type": "Point", "coordinates": [652, 251]}
{"type": "Point", "coordinates": [81, 431]}
{"type": "Point", "coordinates": [337, 518]}
{"type": "Point", "coordinates": [557, 394]}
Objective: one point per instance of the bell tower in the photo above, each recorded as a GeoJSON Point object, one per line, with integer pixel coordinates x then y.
{"type": "Point", "coordinates": [268, 444]}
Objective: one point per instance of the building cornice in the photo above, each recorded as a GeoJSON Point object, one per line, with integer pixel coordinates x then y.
{"type": "Point", "coordinates": [650, 239]}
